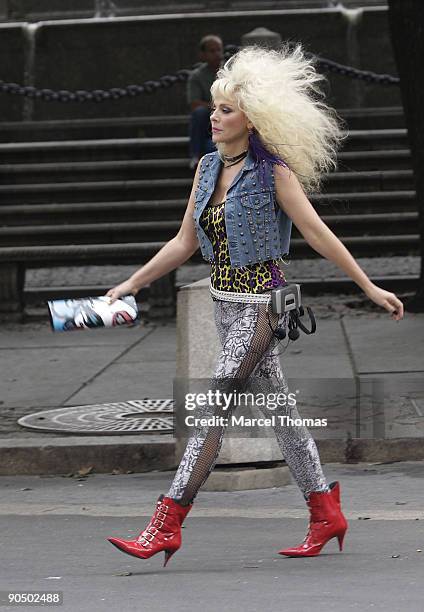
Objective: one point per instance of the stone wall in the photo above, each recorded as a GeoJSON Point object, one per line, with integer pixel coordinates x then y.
{"type": "Point", "coordinates": [104, 53]}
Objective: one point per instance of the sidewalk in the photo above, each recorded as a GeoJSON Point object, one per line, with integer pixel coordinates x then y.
{"type": "Point", "coordinates": [42, 370]}
{"type": "Point", "coordinates": [55, 526]}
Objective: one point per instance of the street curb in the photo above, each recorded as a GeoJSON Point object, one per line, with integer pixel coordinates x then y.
{"type": "Point", "coordinates": [64, 455]}
{"type": "Point", "coordinates": [247, 479]}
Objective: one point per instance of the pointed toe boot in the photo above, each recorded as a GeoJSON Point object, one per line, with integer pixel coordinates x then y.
{"type": "Point", "coordinates": [162, 533]}
{"type": "Point", "coordinates": [327, 521]}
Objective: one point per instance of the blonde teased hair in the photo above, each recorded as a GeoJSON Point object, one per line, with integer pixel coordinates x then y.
{"type": "Point", "coordinates": [278, 92]}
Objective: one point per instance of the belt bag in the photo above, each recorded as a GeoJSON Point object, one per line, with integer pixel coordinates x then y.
{"type": "Point", "coordinates": [288, 299]}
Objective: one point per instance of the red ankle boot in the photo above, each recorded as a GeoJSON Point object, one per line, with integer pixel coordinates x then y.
{"type": "Point", "coordinates": [162, 533]}
{"type": "Point", "coordinates": [326, 522]}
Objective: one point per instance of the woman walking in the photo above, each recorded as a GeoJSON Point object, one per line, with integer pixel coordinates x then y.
{"type": "Point", "coordinates": [275, 140]}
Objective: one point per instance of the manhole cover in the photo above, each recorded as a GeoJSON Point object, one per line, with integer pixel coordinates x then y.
{"type": "Point", "coordinates": [132, 417]}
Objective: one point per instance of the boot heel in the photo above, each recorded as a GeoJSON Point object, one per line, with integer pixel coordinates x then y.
{"type": "Point", "coordinates": [340, 538]}
{"type": "Point", "coordinates": [168, 555]}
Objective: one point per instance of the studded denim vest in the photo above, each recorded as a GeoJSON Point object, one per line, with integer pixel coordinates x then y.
{"type": "Point", "coordinates": [257, 228]}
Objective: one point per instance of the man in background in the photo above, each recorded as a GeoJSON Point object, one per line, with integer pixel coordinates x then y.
{"type": "Point", "coordinates": [198, 96]}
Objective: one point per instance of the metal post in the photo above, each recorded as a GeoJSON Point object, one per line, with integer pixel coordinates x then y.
{"type": "Point", "coordinates": [263, 37]}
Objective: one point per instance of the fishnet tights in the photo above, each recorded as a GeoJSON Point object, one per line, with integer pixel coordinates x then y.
{"type": "Point", "coordinates": [249, 357]}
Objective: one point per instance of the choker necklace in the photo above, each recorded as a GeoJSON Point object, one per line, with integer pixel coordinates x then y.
{"type": "Point", "coordinates": [233, 160]}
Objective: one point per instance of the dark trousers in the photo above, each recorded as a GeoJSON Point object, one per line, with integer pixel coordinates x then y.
{"type": "Point", "coordinates": [200, 138]}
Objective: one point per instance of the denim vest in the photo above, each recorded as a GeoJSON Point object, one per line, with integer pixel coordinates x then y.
{"type": "Point", "coordinates": [257, 228]}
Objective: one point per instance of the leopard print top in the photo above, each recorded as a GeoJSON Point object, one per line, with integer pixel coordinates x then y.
{"type": "Point", "coordinates": [253, 278]}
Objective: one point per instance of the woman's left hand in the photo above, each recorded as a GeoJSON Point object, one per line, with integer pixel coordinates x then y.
{"type": "Point", "coordinates": [387, 300]}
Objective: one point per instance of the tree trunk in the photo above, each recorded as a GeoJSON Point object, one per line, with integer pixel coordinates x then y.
{"type": "Point", "coordinates": [406, 20]}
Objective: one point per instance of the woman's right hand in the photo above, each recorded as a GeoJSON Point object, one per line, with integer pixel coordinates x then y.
{"type": "Point", "coordinates": [125, 288]}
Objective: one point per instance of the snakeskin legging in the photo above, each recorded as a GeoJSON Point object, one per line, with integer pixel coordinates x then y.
{"type": "Point", "coordinates": [248, 361]}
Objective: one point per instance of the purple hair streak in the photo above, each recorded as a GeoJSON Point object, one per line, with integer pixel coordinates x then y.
{"type": "Point", "coordinates": [261, 154]}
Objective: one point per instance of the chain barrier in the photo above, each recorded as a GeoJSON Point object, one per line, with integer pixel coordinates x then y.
{"type": "Point", "coordinates": [355, 73]}
{"type": "Point", "coordinates": [168, 80]}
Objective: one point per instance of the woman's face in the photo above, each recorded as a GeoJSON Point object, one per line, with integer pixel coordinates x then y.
{"type": "Point", "coordinates": [229, 123]}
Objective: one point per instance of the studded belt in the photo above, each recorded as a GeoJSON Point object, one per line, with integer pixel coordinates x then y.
{"type": "Point", "coordinates": [234, 296]}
